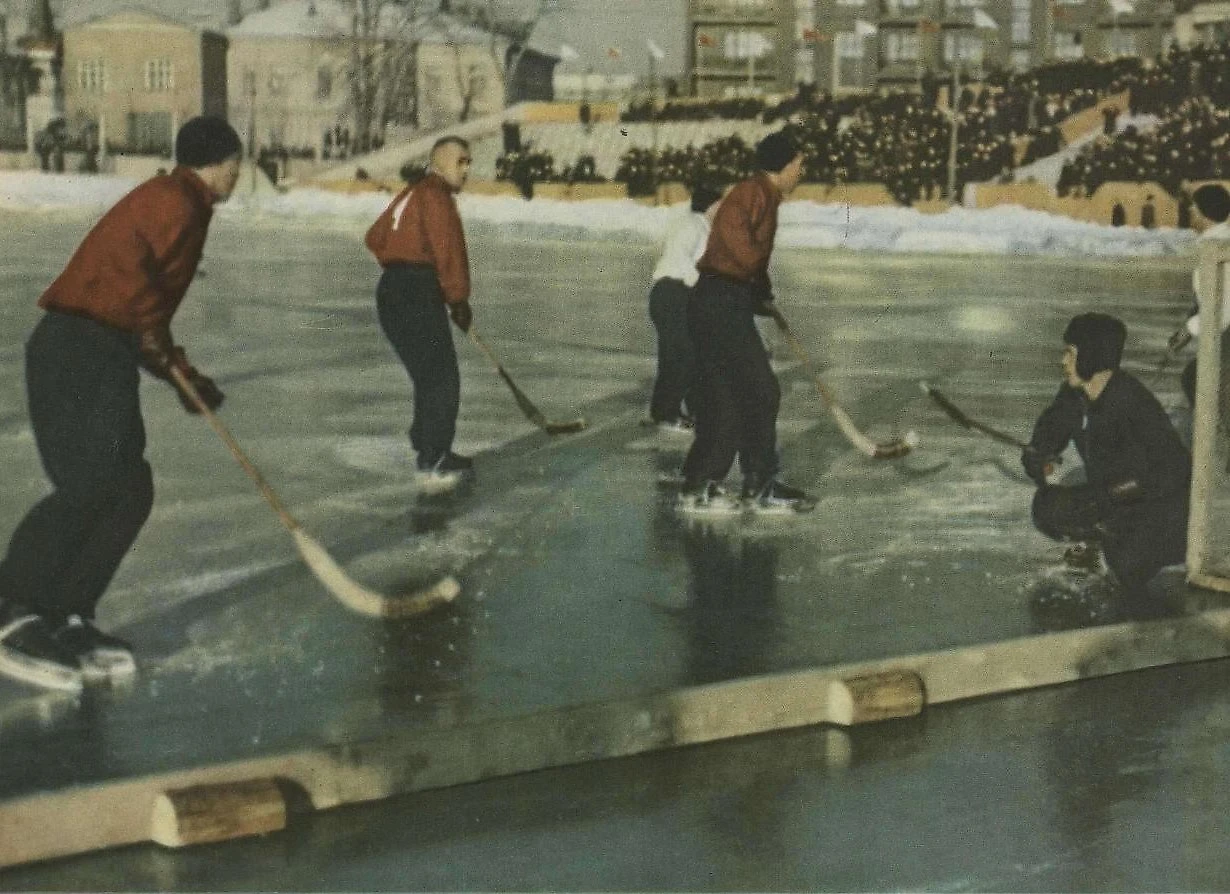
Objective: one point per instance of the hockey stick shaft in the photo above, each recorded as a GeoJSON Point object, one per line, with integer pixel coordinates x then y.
{"type": "Point", "coordinates": [956, 414]}
{"type": "Point", "coordinates": [890, 450]}
{"type": "Point", "coordinates": [527, 407]}
{"type": "Point", "coordinates": [323, 566]}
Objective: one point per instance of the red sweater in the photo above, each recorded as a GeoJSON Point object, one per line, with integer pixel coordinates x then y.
{"type": "Point", "coordinates": [132, 269]}
{"type": "Point", "coordinates": [422, 226]}
{"type": "Point", "coordinates": [741, 239]}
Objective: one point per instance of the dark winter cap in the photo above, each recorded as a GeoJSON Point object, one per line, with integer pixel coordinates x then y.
{"type": "Point", "coordinates": [775, 151]}
{"type": "Point", "coordinates": [704, 195]}
{"type": "Point", "coordinates": [205, 141]}
{"type": "Point", "coordinates": [1098, 339]}
{"type": "Point", "coordinates": [1213, 201]}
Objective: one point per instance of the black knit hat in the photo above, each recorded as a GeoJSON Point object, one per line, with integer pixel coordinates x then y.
{"type": "Point", "coordinates": [1213, 201]}
{"type": "Point", "coordinates": [1098, 339]}
{"type": "Point", "coordinates": [205, 141]}
{"type": "Point", "coordinates": [775, 151]}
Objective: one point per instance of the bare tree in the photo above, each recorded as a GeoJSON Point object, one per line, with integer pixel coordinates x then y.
{"type": "Point", "coordinates": [382, 69]}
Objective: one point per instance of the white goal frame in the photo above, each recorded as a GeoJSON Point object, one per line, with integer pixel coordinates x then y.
{"type": "Point", "coordinates": [1213, 258]}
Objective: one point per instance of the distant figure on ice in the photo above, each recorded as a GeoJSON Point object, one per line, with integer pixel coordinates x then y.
{"type": "Point", "coordinates": [108, 314]}
{"type": "Point", "coordinates": [419, 242]}
{"type": "Point", "coordinates": [673, 280]}
{"type": "Point", "coordinates": [1135, 499]}
{"type": "Point", "coordinates": [1213, 202]}
{"type": "Point", "coordinates": [736, 393]}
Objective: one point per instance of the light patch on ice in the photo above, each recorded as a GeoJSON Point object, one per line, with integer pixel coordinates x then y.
{"type": "Point", "coordinates": [985, 319]}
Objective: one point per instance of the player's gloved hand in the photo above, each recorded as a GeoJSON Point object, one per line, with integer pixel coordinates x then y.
{"type": "Point", "coordinates": [461, 314]}
{"type": "Point", "coordinates": [159, 353]}
{"type": "Point", "coordinates": [1178, 341]}
{"type": "Point", "coordinates": [1038, 464]}
{"type": "Point", "coordinates": [206, 389]}
{"type": "Point", "coordinates": [1125, 492]}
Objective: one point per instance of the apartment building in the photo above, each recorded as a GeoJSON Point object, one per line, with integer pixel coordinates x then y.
{"type": "Point", "coordinates": [740, 47]}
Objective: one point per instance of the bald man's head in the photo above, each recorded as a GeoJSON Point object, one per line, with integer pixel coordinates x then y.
{"type": "Point", "coordinates": [450, 159]}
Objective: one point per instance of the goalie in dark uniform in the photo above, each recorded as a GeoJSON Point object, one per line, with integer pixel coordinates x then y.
{"type": "Point", "coordinates": [1134, 503]}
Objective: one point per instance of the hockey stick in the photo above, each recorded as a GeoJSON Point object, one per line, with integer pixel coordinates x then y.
{"type": "Point", "coordinates": [893, 449]}
{"type": "Point", "coordinates": [957, 415]}
{"type": "Point", "coordinates": [531, 412]}
{"type": "Point", "coordinates": [355, 597]}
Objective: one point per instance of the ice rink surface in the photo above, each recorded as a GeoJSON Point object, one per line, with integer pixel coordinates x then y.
{"type": "Point", "coordinates": [578, 581]}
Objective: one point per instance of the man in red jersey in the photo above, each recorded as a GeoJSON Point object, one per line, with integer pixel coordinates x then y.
{"type": "Point", "coordinates": [107, 315]}
{"type": "Point", "coordinates": [419, 242]}
{"type": "Point", "coordinates": [737, 395]}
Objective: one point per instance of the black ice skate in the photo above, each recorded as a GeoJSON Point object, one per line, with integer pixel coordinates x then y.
{"type": "Point", "coordinates": [30, 653]}
{"type": "Point", "coordinates": [775, 498]}
{"type": "Point", "coordinates": [99, 654]}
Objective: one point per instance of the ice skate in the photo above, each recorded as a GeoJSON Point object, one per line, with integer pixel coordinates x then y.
{"type": "Point", "coordinates": [1085, 557]}
{"type": "Point", "coordinates": [445, 473]}
{"type": "Point", "coordinates": [676, 428]}
{"type": "Point", "coordinates": [708, 500]}
{"type": "Point", "coordinates": [1078, 592]}
{"type": "Point", "coordinates": [100, 655]}
{"type": "Point", "coordinates": [775, 498]}
{"type": "Point", "coordinates": [30, 653]}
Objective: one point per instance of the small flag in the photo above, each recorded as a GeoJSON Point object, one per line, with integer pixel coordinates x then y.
{"type": "Point", "coordinates": [813, 35]}
{"type": "Point", "coordinates": [864, 29]}
{"type": "Point", "coordinates": [1121, 7]}
{"type": "Point", "coordinates": [655, 50]}
{"type": "Point", "coordinates": [567, 53]}
{"type": "Point", "coordinates": [704, 40]}
{"type": "Point", "coordinates": [614, 52]}
{"type": "Point", "coordinates": [930, 26]}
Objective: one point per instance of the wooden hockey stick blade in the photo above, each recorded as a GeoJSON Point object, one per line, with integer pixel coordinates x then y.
{"type": "Point", "coordinates": [894, 449]}
{"type": "Point", "coordinates": [531, 412]}
{"type": "Point", "coordinates": [362, 600]}
{"type": "Point", "coordinates": [322, 565]}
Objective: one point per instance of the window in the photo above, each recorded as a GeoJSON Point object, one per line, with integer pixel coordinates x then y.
{"type": "Point", "coordinates": [324, 83]}
{"type": "Point", "coordinates": [159, 75]}
{"type": "Point", "coordinates": [92, 76]}
{"type": "Point", "coordinates": [966, 48]}
{"type": "Point", "coordinates": [1022, 22]}
{"type": "Point", "coordinates": [1068, 45]}
{"type": "Point", "coordinates": [1121, 43]}
{"type": "Point", "coordinates": [849, 45]}
{"type": "Point", "coordinates": [900, 46]}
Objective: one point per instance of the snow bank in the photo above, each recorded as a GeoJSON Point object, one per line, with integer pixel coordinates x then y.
{"type": "Point", "coordinates": [1004, 230]}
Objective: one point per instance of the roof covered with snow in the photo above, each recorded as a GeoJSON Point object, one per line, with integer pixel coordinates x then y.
{"type": "Point", "coordinates": [333, 18]}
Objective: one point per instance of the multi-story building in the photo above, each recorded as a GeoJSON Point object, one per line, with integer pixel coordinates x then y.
{"type": "Point", "coordinates": [137, 75]}
{"type": "Point", "coordinates": [737, 47]}
{"type": "Point", "coordinates": [864, 44]}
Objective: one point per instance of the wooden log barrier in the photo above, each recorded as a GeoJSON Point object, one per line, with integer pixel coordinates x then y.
{"type": "Point", "coordinates": [203, 814]}
{"type": "Point", "coordinates": [193, 805]}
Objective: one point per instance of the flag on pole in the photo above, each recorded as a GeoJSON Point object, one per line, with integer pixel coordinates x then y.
{"type": "Point", "coordinates": [929, 26]}
{"type": "Point", "coordinates": [655, 50]}
{"type": "Point", "coordinates": [812, 35]}
{"type": "Point", "coordinates": [567, 53]}
{"type": "Point", "coordinates": [1121, 7]}
{"type": "Point", "coordinates": [982, 20]}
{"type": "Point", "coordinates": [864, 29]}
{"type": "Point", "coordinates": [614, 52]}
{"type": "Point", "coordinates": [704, 40]}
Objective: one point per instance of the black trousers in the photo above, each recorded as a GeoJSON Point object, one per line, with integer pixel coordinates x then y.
{"type": "Point", "coordinates": [1188, 381]}
{"type": "Point", "coordinates": [1138, 540]}
{"type": "Point", "coordinates": [668, 309]}
{"type": "Point", "coordinates": [413, 316]}
{"type": "Point", "coordinates": [736, 394]}
{"type": "Point", "coordinates": [83, 387]}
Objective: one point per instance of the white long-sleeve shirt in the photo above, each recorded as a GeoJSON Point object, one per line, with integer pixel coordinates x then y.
{"type": "Point", "coordinates": [685, 243]}
{"type": "Point", "coordinates": [1218, 231]}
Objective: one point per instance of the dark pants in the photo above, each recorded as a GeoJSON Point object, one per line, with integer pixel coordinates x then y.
{"type": "Point", "coordinates": [82, 381]}
{"type": "Point", "coordinates": [1138, 540]}
{"type": "Point", "coordinates": [736, 395]}
{"type": "Point", "coordinates": [668, 309]}
{"type": "Point", "coordinates": [413, 316]}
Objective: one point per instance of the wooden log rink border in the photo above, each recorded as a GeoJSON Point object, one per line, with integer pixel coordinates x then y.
{"type": "Point", "coordinates": [261, 795]}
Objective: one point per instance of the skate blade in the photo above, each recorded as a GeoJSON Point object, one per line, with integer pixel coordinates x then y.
{"type": "Point", "coordinates": [781, 510]}
{"type": "Point", "coordinates": [22, 670]}
{"type": "Point", "coordinates": [711, 512]}
{"type": "Point", "coordinates": [432, 483]}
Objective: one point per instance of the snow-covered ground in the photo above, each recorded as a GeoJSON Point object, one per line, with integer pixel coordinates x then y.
{"type": "Point", "coordinates": [1003, 230]}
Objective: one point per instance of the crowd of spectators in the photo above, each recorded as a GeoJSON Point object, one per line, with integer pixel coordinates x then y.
{"type": "Point", "coordinates": [903, 139]}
